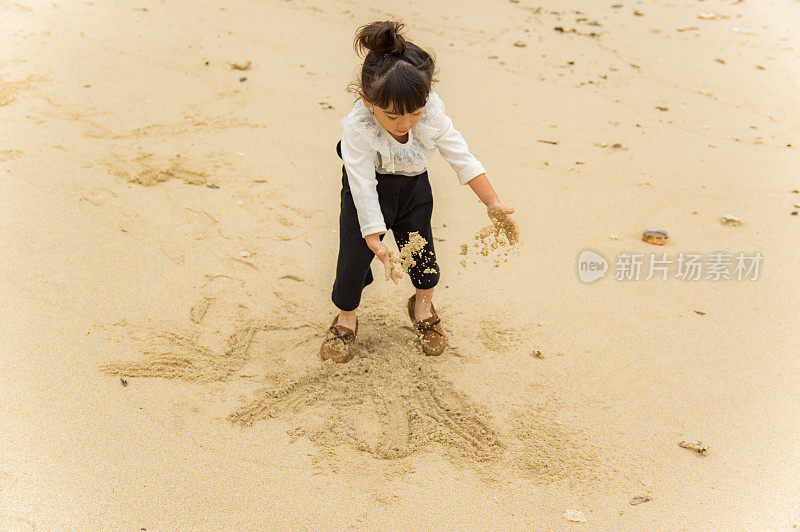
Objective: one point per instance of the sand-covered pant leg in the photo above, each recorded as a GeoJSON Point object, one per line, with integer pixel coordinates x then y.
{"type": "Point", "coordinates": [416, 216]}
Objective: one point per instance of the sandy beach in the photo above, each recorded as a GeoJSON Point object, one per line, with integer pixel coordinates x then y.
{"type": "Point", "coordinates": [170, 201]}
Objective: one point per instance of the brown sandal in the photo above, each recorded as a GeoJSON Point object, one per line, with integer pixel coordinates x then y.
{"type": "Point", "coordinates": [429, 330]}
{"type": "Point", "coordinates": [338, 343]}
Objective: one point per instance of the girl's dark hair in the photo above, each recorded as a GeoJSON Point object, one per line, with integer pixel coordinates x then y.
{"type": "Point", "coordinates": [396, 73]}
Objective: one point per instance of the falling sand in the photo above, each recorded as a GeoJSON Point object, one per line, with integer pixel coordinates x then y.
{"type": "Point", "coordinates": [409, 253]}
{"type": "Point", "coordinates": [495, 242]}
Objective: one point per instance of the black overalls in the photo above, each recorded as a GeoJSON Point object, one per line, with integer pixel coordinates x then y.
{"type": "Point", "coordinates": [407, 204]}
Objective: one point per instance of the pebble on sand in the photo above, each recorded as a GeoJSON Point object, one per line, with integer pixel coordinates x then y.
{"type": "Point", "coordinates": [576, 516]}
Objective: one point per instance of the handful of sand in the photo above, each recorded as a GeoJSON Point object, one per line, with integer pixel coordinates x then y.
{"type": "Point", "coordinates": [406, 259]}
{"type": "Point", "coordinates": [496, 241]}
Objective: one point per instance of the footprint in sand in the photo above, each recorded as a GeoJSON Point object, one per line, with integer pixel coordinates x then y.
{"type": "Point", "coordinates": [152, 176]}
{"type": "Point", "coordinates": [148, 169]}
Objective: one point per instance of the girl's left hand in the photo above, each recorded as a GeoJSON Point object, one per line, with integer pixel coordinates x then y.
{"type": "Point", "coordinates": [502, 220]}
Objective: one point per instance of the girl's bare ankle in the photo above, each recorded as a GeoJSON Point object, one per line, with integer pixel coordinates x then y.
{"type": "Point", "coordinates": [422, 312]}
{"type": "Point", "coordinates": [347, 319]}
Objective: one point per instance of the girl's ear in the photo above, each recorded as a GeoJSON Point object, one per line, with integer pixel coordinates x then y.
{"type": "Point", "coordinates": [364, 99]}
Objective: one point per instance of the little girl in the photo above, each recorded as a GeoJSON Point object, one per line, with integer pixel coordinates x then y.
{"type": "Point", "coordinates": [387, 142]}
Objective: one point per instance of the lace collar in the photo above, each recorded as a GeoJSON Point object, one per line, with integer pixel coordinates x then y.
{"type": "Point", "coordinates": [427, 129]}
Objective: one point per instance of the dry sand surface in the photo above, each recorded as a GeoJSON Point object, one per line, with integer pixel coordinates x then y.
{"type": "Point", "coordinates": [168, 230]}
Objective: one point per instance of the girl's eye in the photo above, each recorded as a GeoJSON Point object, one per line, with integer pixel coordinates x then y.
{"type": "Point", "coordinates": [392, 118]}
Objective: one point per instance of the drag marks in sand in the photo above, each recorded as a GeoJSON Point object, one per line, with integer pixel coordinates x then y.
{"type": "Point", "coordinates": [216, 347]}
{"type": "Point", "coordinates": [389, 401]}
{"type": "Point", "coordinates": [9, 89]}
{"type": "Point", "coordinates": [177, 354]}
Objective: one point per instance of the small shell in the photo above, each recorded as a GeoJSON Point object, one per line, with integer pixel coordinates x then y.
{"type": "Point", "coordinates": [245, 65]}
{"type": "Point", "coordinates": [731, 220]}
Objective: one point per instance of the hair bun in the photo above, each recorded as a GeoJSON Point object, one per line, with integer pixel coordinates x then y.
{"type": "Point", "coordinates": [381, 37]}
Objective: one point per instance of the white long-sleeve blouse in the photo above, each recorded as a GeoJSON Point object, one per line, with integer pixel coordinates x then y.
{"type": "Point", "coordinates": [367, 148]}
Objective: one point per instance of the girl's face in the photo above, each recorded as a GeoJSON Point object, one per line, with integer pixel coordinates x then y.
{"type": "Point", "coordinates": [397, 125]}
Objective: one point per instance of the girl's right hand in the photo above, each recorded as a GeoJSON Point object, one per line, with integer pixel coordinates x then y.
{"type": "Point", "coordinates": [384, 255]}
{"type": "Point", "coordinates": [502, 221]}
